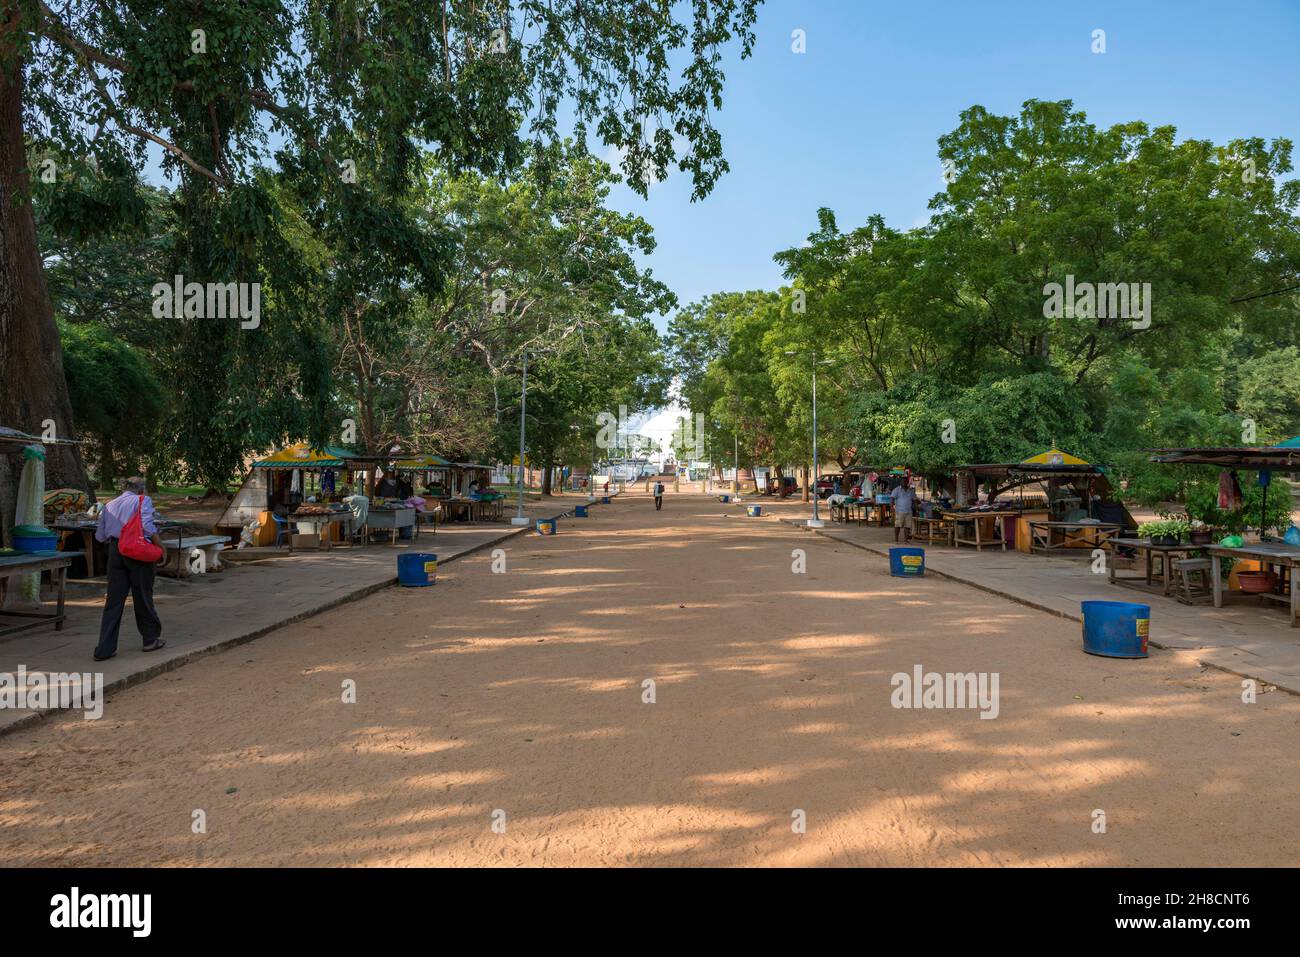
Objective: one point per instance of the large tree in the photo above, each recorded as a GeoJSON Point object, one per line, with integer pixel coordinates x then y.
{"type": "Point", "coordinates": [344, 93]}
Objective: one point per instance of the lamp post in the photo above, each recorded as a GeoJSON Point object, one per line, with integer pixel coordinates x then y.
{"type": "Point", "coordinates": [735, 464]}
{"type": "Point", "coordinates": [520, 518]}
{"type": "Point", "coordinates": [815, 521]}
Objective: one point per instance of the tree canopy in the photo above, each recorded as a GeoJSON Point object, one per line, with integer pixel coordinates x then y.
{"type": "Point", "coordinates": [303, 139]}
{"type": "Point", "coordinates": [943, 344]}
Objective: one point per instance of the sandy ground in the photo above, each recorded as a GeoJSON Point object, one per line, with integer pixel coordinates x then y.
{"type": "Point", "coordinates": [517, 698]}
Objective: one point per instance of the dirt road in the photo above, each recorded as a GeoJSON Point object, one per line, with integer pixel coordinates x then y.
{"type": "Point", "coordinates": [503, 718]}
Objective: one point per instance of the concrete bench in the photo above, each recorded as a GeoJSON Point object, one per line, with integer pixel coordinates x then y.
{"type": "Point", "coordinates": [193, 554]}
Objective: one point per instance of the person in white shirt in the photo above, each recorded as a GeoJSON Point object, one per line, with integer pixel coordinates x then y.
{"type": "Point", "coordinates": [904, 498]}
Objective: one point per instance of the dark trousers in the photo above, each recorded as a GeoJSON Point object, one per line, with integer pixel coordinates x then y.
{"type": "Point", "coordinates": [659, 502]}
{"type": "Point", "coordinates": [127, 575]}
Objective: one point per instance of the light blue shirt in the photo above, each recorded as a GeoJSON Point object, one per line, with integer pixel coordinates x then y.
{"type": "Point", "coordinates": [115, 514]}
{"type": "Point", "coordinates": [904, 497]}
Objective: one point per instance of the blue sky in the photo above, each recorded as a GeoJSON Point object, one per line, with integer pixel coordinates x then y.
{"type": "Point", "coordinates": [852, 124]}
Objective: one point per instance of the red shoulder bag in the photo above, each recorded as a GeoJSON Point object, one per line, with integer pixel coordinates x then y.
{"type": "Point", "coordinates": [132, 544]}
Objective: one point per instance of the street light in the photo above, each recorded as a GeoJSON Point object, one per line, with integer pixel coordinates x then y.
{"type": "Point", "coordinates": [815, 521]}
{"type": "Point", "coordinates": [520, 518]}
{"type": "Point", "coordinates": [735, 463]}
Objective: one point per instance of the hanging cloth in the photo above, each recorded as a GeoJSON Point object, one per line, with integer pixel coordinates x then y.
{"type": "Point", "coordinates": [1229, 491]}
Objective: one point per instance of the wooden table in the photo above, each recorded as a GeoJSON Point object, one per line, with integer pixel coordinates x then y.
{"type": "Point", "coordinates": [884, 513]}
{"type": "Point", "coordinates": [332, 517]}
{"type": "Point", "coordinates": [94, 548]}
{"type": "Point", "coordinates": [1054, 537]}
{"type": "Point", "coordinates": [1147, 548]}
{"type": "Point", "coordinates": [459, 509]}
{"type": "Point", "coordinates": [936, 529]}
{"type": "Point", "coordinates": [86, 530]}
{"type": "Point", "coordinates": [1286, 557]}
{"type": "Point", "coordinates": [851, 510]}
{"type": "Point", "coordinates": [33, 564]}
{"type": "Point", "coordinates": [976, 523]}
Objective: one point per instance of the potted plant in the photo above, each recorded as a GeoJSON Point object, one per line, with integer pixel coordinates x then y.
{"type": "Point", "coordinates": [1165, 531]}
{"type": "Point", "coordinates": [1199, 533]}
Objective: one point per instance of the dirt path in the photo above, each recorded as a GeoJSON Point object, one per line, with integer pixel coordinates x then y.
{"type": "Point", "coordinates": [523, 693]}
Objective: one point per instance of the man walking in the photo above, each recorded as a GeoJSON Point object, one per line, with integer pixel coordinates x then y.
{"type": "Point", "coordinates": [904, 498]}
{"type": "Point", "coordinates": [659, 495]}
{"type": "Point", "coordinates": [126, 574]}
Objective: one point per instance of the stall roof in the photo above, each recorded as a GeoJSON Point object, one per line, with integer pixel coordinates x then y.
{"type": "Point", "coordinates": [1055, 462]}
{"type": "Point", "coordinates": [303, 456]}
{"type": "Point", "coordinates": [1051, 462]}
{"type": "Point", "coordinates": [1284, 456]}
{"type": "Point", "coordinates": [987, 468]}
{"type": "Point", "coordinates": [422, 461]}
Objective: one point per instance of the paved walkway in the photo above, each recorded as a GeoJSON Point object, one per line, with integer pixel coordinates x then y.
{"type": "Point", "coordinates": [210, 613]}
{"type": "Point", "coordinates": [1244, 638]}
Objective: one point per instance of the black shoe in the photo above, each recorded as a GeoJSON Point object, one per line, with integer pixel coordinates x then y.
{"type": "Point", "coordinates": [158, 643]}
{"type": "Point", "coordinates": [99, 657]}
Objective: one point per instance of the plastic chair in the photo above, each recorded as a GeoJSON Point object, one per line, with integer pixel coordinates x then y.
{"type": "Point", "coordinates": [282, 529]}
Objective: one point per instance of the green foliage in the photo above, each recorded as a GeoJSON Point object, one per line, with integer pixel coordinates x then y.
{"type": "Point", "coordinates": [372, 281]}
{"type": "Point", "coordinates": [1146, 409]}
{"type": "Point", "coordinates": [995, 420]}
{"type": "Point", "coordinates": [1201, 502]}
{"type": "Point", "coordinates": [1269, 394]}
{"type": "Point", "coordinates": [117, 398]}
{"type": "Point", "coordinates": [942, 350]}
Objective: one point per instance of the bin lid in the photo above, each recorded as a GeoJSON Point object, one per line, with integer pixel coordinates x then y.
{"type": "Point", "coordinates": [33, 531]}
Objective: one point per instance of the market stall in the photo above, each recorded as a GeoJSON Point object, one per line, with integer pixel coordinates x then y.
{"type": "Point", "coordinates": [471, 497]}
{"type": "Point", "coordinates": [1267, 567]}
{"type": "Point", "coordinates": [1069, 505]}
{"type": "Point", "coordinates": [279, 486]}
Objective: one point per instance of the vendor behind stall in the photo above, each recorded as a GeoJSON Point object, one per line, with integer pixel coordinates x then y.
{"type": "Point", "coordinates": [389, 487]}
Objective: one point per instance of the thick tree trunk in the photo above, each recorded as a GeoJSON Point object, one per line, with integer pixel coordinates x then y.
{"type": "Point", "coordinates": [107, 473]}
{"type": "Point", "coordinates": [31, 355]}
{"type": "Point", "coordinates": [546, 476]}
